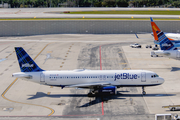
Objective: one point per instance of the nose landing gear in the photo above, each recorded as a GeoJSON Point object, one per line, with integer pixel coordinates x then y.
{"type": "Point", "coordinates": [143, 91]}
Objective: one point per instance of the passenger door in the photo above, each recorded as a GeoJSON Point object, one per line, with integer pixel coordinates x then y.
{"type": "Point", "coordinates": [143, 77]}
{"type": "Point", "coordinates": [177, 54]}
{"type": "Point", "coordinates": [100, 77]}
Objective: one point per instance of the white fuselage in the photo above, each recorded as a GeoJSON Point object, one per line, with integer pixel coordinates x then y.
{"type": "Point", "coordinates": [75, 77]}
{"type": "Point", "coordinates": [174, 54]}
{"type": "Point", "coordinates": [174, 36]}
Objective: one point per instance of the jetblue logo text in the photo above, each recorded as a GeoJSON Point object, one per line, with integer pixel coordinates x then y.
{"type": "Point", "coordinates": [166, 45]}
{"type": "Point", "coordinates": [27, 65]}
{"type": "Point", "coordinates": [125, 76]}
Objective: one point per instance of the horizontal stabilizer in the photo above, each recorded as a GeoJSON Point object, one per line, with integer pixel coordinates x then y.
{"type": "Point", "coordinates": [21, 75]}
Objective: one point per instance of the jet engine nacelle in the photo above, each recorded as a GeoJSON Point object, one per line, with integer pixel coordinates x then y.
{"type": "Point", "coordinates": [108, 89]}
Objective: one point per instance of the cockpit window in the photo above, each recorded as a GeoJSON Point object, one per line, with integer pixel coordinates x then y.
{"type": "Point", "coordinates": [157, 75]}
{"type": "Point", "coordinates": [154, 75]}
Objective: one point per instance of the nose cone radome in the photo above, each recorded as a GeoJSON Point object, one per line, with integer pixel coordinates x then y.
{"type": "Point", "coordinates": [161, 80]}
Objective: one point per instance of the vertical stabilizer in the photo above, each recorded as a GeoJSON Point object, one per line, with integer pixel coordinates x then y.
{"type": "Point", "coordinates": [26, 63]}
{"type": "Point", "coordinates": [160, 38]}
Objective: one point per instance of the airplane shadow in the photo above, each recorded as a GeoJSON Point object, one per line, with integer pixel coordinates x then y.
{"type": "Point", "coordinates": [172, 111]}
{"type": "Point", "coordinates": [41, 94]}
{"type": "Point", "coordinates": [147, 95]}
{"type": "Point", "coordinates": [175, 69]}
{"type": "Point", "coordinates": [98, 97]}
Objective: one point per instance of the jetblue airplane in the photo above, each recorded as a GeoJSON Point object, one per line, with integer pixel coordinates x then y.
{"type": "Point", "coordinates": [173, 37]}
{"type": "Point", "coordinates": [168, 48]}
{"type": "Point", "coordinates": [98, 81]}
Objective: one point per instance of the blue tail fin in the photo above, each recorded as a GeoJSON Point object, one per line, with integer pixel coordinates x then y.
{"type": "Point", "coordinates": [26, 63]}
{"type": "Point", "coordinates": [160, 38]}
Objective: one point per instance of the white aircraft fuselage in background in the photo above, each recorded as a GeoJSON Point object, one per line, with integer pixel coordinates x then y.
{"type": "Point", "coordinates": [174, 54]}
{"type": "Point", "coordinates": [169, 47]}
{"type": "Point", "coordinates": [174, 36]}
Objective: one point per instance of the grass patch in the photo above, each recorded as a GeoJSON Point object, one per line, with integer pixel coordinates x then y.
{"type": "Point", "coordinates": [42, 19]}
{"type": "Point", "coordinates": [147, 12]}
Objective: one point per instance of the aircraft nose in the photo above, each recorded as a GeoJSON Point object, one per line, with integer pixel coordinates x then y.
{"type": "Point", "coordinates": [161, 80]}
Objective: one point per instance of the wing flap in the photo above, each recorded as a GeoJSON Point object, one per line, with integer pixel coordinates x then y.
{"type": "Point", "coordinates": [90, 84]}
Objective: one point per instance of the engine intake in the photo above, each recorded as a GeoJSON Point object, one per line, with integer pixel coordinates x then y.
{"type": "Point", "coordinates": [108, 89]}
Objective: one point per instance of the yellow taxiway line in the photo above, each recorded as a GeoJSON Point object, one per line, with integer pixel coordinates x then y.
{"type": "Point", "coordinates": [3, 94]}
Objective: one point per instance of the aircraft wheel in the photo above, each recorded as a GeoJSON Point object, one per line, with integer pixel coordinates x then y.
{"type": "Point", "coordinates": [90, 95]}
{"type": "Point", "coordinates": [144, 93]}
{"type": "Point", "coordinates": [173, 109]}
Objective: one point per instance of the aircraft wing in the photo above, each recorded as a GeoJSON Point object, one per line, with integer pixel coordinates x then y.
{"type": "Point", "coordinates": [91, 85]}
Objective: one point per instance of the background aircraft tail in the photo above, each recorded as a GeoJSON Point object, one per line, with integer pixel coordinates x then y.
{"type": "Point", "coordinates": [160, 38]}
{"type": "Point", "coordinates": [26, 63]}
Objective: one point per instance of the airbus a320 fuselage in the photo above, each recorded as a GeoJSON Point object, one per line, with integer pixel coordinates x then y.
{"type": "Point", "coordinates": [99, 81]}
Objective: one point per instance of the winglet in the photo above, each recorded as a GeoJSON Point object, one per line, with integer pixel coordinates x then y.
{"type": "Point", "coordinates": [151, 19]}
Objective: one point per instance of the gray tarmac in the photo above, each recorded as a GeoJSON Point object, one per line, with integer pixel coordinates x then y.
{"type": "Point", "coordinates": [28, 100]}
{"type": "Point", "coordinates": [58, 13]}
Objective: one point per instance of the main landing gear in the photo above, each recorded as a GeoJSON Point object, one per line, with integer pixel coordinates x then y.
{"type": "Point", "coordinates": [143, 91]}
{"type": "Point", "coordinates": [91, 93]}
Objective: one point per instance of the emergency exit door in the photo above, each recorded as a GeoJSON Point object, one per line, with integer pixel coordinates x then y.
{"type": "Point", "coordinates": [177, 54]}
{"type": "Point", "coordinates": [143, 77]}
